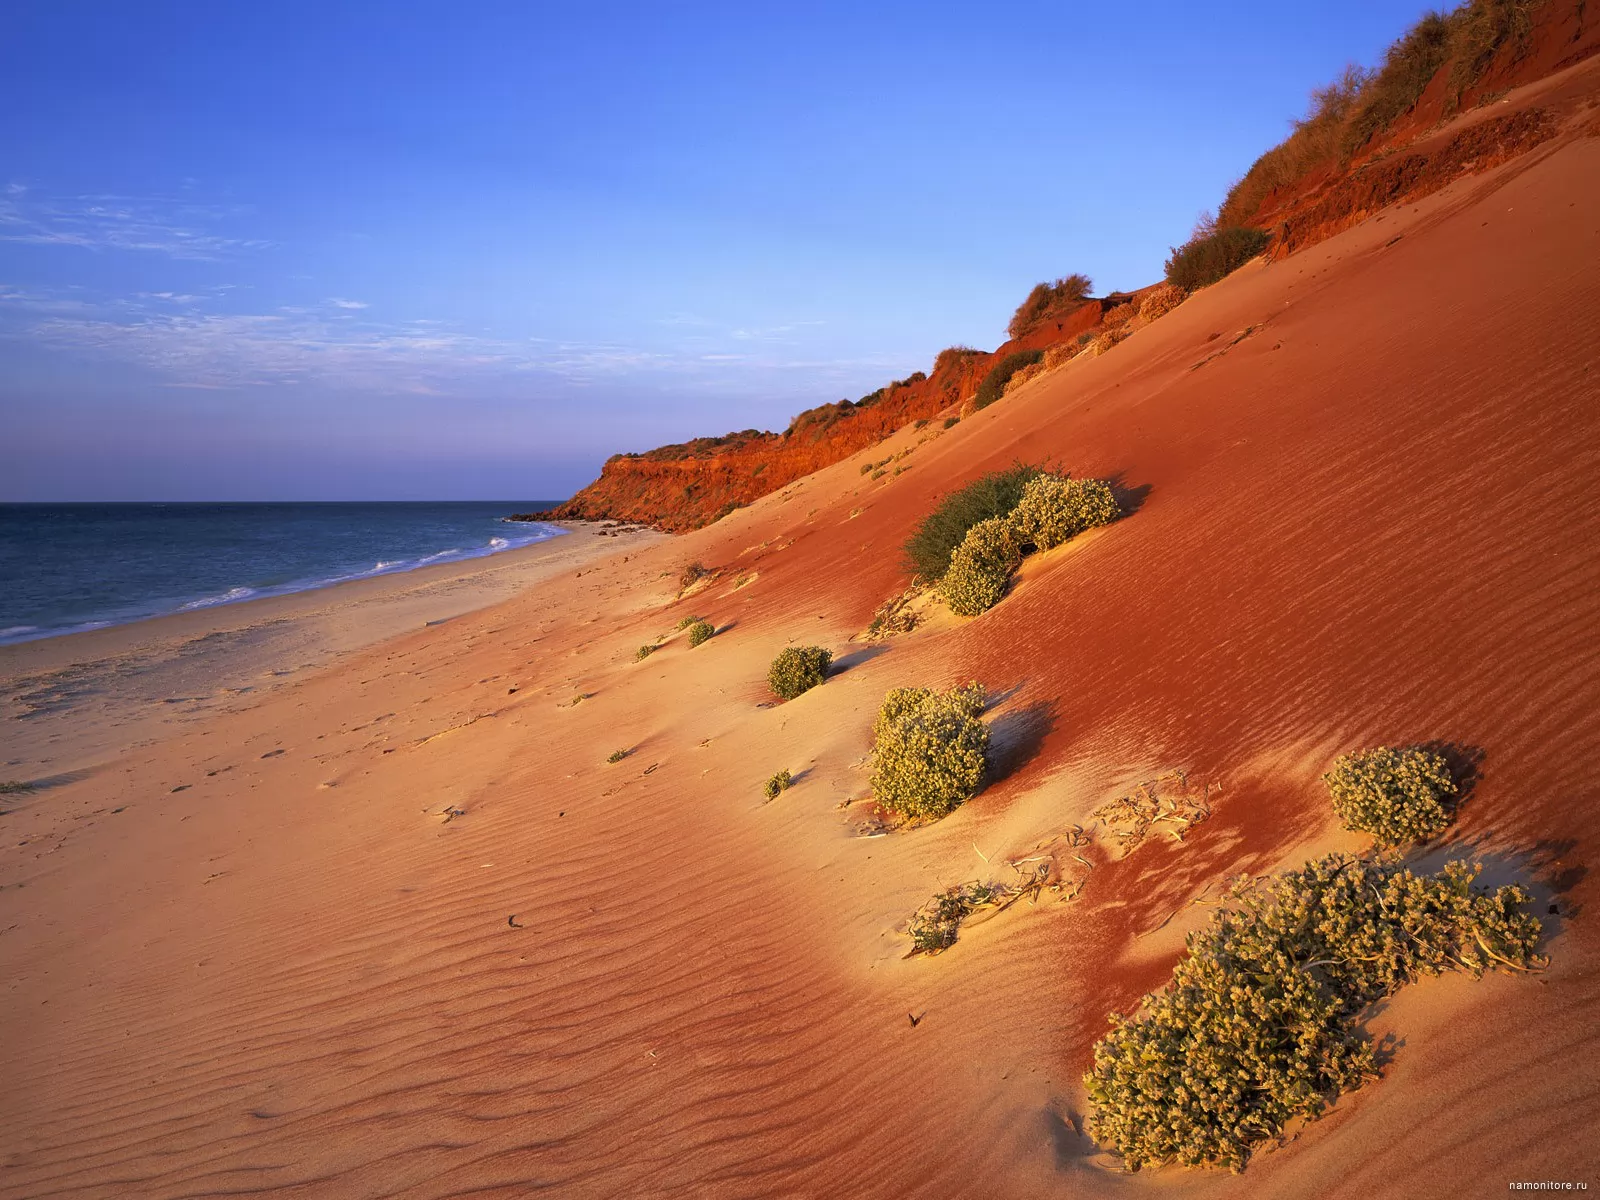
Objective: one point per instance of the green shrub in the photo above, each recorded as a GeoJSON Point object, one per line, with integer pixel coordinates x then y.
{"type": "Point", "coordinates": [1394, 794]}
{"type": "Point", "coordinates": [1049, 300]}
{"type": "Point", "coordinates": [994, 383]}
{"type": "Point", "coordinates": [685, 622]}
{"type": "Point", "coordinates": [929, 750]}
{"type": "Point", "coordinates": [1211, 255]}
{"type": "Point", "coordinates": [1054, 509]}
{"type": "Point", "coordinates": [777, 785]}
{"type": "Point", "coordinates": [645, 651]}
{"type": "Point", "coordinates": [981, 567]}
{"type": "Point", "coordinates": [617, 756]}
{"type": "Point", "coordinates": [929, 548]}
{"type": "Point", "coordinates": [797, 670]}
{"type": "Point", "coordinates": [691, 575]}
{"type": "Point", "coordinates": [701, 631]}
{"type": "Point", "coordinates": [1260, 1023]}
{"type": "Point", "coordinates": [951, 422]}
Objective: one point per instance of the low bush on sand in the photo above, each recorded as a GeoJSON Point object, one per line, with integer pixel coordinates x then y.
{"type": "Point", "coordinates": [1397, 795]}
{"type": "Point", "coordinates": [929, 751]}
{"type": "Point", "coordinates": [1261, 1021]}
{"type": "Point", "coordinates": [645, 651]}
{"type": "Point", "coordinates": [929, 548]}
{"type": "Point", "coordinates": [994, 383]}
{"type": "Point", "coordinates": [1058, 354]}
{"type": "Point", "coordinates": [1024, 375]}
{"type": "Point", "coordinates": [692, 574]}
{"type": "Point", "coordinates": [981, 567]}
{"type": "Point", "coordinates": [617, 756]}
{"type": "Point", "coordinates": [1161, 300]}
{"type": "Point", "coordinates": [1212, 254]}
{"type": "Point", "coordinates": [797, 670]}
{"type": "Point", "coordinates": [701, 631]}
{"type": "Point", "coordinates": [685, 622]}
{"type": "Point", "coordinates": [777, 785]}
{"type": "Point", "coordinates": [1050, 510]}
{"type": "Point", "coordinates": [1055, 509]}
{"type": "Point", "coordinates": [937, 924]}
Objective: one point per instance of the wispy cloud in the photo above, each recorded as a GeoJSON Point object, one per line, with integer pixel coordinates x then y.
{"type": "Point", "coordinates": [339, 303]}
{"type": "Point", "coordinates": [175, 228]}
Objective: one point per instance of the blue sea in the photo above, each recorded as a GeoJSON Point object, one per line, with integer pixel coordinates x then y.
{"type": "Point", "coordinates": [67, 567]}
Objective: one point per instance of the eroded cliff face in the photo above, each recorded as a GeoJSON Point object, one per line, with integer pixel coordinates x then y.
{"type": "Point", "coordinates": [686, 486]}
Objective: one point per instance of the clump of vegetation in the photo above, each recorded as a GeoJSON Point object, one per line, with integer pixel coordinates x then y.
{"type": "Point", "coordinates": [1121, 314]}
{"type": "Point", "coordinates": [1394, 88]}
{"type": "Point", "coordinates": [1213, 253]}
{"type": "Point", "coordinates": [1055, 509]}
{"type": "Point", "coordinates": [777, 785]}
{"type": "Point", "coordinates": [617, 756]}
{"type": "Point", "coordinates": [935, 926]}
{"type": "Point", "coordinates": [685, 622]}
{"type": "Point", "coordinates": [981, 567]}
{"type": "Point", "coordinates": [1477, 32]}
{"type": "Point", "coordinates": [1049, 300]}
{"type": "Point", "coordinates": [797, 670]}
{"type": "Point", "coordinates": [1161, 300]}
{"type": "Point", "coordinates": [691, 575]}
{"type": "Point", "coordinates": [14, 787]}
{"type": "Point", "coordinates": [952, 356]}
{"type": "Point", "coordinates": [930, 750]}
{"type": "Point", "coordinates": [1394, 794]}
{"type": "Point", "coordinates": [701, 631]}
{"type": "Point", "coordinates": [929, 548]}
{"type": "Point", "coordinates": [1260, 1023]}
{"type": "Point", "coordinates": [1108, 338]}
{"type": "Point", "coordinates": [645, 651]}
{"type": "Point", "coordinates": [1360, 106]}
{"type": "Point", "coordinates": [994, 383]}
{"type": "Point", "coordinates": [1027, 373]}
{"type": "Point", "coordinates": [951, 422]}
{"type": "Point", "coordinates": [895, 615]}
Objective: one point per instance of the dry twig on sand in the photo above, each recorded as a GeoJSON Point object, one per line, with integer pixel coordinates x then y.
{"type": "Point", "coordinates": [1168, 800]}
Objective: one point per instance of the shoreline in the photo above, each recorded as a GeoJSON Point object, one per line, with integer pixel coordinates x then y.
{"type": "Point", "coordinates": [14, 635]}
{"type": "Point", "coordinates": [74, 699]}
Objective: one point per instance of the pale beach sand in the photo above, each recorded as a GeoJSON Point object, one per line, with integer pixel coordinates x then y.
{"type": "Point", "coordinates": [68, 702]}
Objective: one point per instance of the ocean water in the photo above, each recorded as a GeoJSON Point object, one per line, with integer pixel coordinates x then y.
{"type": "Point", "coordinates": [66, 567]}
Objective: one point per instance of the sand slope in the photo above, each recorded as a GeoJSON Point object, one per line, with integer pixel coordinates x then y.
{"type": "Point", "coordinates": [1373, 518]}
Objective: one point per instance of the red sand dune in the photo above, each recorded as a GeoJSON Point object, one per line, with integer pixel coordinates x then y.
{"type": "Point", "coordinates": [1372, 517]}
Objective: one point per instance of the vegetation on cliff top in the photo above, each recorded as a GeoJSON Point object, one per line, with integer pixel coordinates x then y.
{"type": "Point", "coordinates": [1048, 300]}
{"type": "Point", "coordinates": [1357, 109]}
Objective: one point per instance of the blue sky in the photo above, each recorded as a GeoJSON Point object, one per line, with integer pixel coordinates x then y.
{"type": "Point", "coordinates": [467, 250]}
